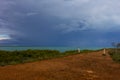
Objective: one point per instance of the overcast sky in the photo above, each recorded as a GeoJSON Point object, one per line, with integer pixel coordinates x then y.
{"type": "Point", "coordinates": [81, 23]}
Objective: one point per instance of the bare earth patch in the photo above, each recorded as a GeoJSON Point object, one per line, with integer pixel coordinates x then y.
{"type": "Point", "coordinates": [90, 66]}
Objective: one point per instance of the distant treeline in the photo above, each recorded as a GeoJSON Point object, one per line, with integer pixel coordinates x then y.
{"type": "Point", "coordinates": [15, 57]}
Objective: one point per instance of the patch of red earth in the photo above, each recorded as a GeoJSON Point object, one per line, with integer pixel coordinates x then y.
{"type": "Point", "coordinates": [88, 66]}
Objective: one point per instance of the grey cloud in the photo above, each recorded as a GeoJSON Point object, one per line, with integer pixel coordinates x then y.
{"type": "Point", "coordinates": [5, 23]}
{"type": "Point", "coordinates": [49, 18]}
{"type": "Point", "coordinates": [72, 26]}
{"type": "Point", "coordinates": [5, 27]}
{"type": "Point", "coordinates": [31, 13]}
{"type": "Point", "coordinates": [95, 12]}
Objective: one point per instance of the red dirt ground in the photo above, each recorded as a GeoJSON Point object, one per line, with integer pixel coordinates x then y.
{"type": "Point", "coordinates": [88, 66]}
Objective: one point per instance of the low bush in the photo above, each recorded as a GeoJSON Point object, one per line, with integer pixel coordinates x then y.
{"type": "Point", "coordinates": [115, 54]}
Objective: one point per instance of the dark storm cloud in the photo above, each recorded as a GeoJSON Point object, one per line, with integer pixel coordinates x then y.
{"type": "Point", "coordinates": [59, 22]}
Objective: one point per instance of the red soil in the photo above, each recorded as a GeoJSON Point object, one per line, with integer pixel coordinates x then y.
{"type": "Point", "coordinates": [90, 66]}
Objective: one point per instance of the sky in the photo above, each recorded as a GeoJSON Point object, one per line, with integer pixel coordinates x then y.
{"type": "Point", "coordinates": [84, 23]}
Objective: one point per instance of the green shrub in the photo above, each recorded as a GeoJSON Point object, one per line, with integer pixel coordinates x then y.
{"type": "Point", "coordinates": [15, 57]}
{"type": "Point", "coordinates": [115, 54]}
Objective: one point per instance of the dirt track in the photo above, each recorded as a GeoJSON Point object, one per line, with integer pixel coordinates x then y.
{"type": "Point", "coordinates": [90, 66]}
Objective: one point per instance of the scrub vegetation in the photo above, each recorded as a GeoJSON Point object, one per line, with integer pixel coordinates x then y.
{"type": "Point", "coordinates": [115, 52]}
{"type": "Point", "coordinates": [15, 57]}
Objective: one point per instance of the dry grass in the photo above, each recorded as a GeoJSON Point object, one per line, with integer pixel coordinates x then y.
{"type": "Point", "coordinates": [90, 66]}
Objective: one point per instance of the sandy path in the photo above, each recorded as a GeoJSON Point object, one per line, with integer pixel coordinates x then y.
{"type": "Point", "coordinates": [90, 66]}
